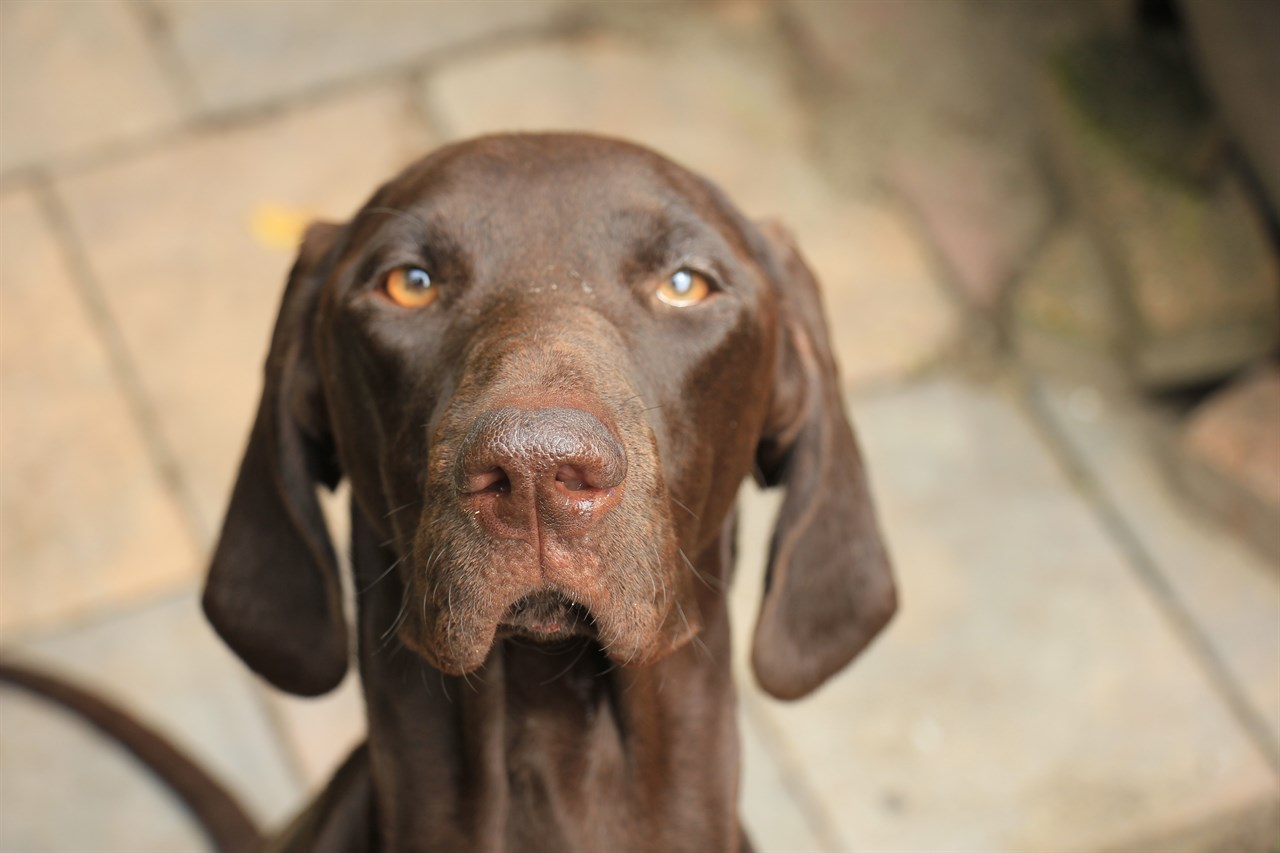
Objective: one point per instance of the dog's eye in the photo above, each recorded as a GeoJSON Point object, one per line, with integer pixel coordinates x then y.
{"type": "Point", "coordinates": [410, 287]}
{"type": "Point", "coordinates": [684, 288]}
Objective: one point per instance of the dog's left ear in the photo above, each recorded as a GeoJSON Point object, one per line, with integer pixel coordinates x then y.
{"type": "Point", "coordinates": [273, 592]}
{"type": "Point", "coordinates": [829, 589]}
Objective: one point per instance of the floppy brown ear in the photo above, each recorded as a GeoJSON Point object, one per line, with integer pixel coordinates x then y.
{"type": "Point", "coordinates": [272, 591]}
{"type": "Point", "coordinates": [829, 588]}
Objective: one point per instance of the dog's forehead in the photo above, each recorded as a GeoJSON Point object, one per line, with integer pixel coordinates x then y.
{"type": "Point", "coordinates": [520, 184]}
{"type": "Point", "coordinates": [589, 167]}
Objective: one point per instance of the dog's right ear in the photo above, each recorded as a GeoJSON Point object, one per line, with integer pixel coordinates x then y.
{"type": "Point", "coordinates": [273, 592]}
{"type": "Point", "coordinates": [829, 587]}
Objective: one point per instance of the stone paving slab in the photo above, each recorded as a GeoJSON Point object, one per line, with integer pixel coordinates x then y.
{"type": "Point", "coordinates": [943, 88]}
{"type": "Point", "coordinates": [320, 732]}
{"type": "Point", "coordinates": [53, 773]}
{"type": "Point", "coordinates": [1189, 253]}
{"type": "Point", "coordinates": [165, 663]}
{"type": "Point", "coordinates": [773, 815]}
{"type": "Point", "coordinates": [1065, 316]}
{"type": "Point", "coordinates": [191, 245]}
{"type": "Point", "coordinates": [75, 77]}
{"type": "Point", "coordinates": [86, 521]}
{"type": "Point", "coordinates": [1029, 696]}
{"type": "Point", "coordinates": [736, 121]}
{"type": "Point", "coordinates": [243, 51]}
{"type": "Point", "coordinates": [1233, 594]}
{"type": "Point", "coordinates": [1228, 457]}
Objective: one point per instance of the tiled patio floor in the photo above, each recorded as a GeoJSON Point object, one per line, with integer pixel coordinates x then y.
{"type": "Point", "coordinates": [1081, 661]}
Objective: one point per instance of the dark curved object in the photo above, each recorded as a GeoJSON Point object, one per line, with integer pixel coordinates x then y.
{"type": "Point", "coordinates": [221, 817]}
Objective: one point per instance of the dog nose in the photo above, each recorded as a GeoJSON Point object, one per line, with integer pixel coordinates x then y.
{"type": "Point", "coordinates": [559, 466]}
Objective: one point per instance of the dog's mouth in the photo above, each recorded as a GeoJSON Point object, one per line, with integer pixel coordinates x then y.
{"type": "Point", "coordinates": [546, 616]}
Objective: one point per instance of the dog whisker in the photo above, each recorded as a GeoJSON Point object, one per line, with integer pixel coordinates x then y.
{"type": "Point", "coordinates": [400, 508]}
{"type": "Point", "coordinates": [715, 585]}
{"type": "Point", "coordinates": [386, 572]}
{"type": "Point", "coordinates": [680, 504]}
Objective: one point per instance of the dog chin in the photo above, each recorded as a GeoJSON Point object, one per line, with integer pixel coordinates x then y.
{"type": "Point", "coordinates": [546, 617]}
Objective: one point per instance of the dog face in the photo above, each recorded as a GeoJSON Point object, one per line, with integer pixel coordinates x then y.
{"type": "Point", "coordinates": [546, 363]}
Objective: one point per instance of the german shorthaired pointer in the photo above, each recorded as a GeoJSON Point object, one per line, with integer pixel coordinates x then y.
{"type": "Point", "coordinates": [545, 363]}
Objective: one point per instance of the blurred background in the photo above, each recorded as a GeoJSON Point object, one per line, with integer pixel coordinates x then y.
{"type": "Point", "coordinates": [1046, 231]}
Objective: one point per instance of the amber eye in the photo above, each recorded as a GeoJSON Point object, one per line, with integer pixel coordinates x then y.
{"type": "Point", "coordinates": [684, 288]}
{"type": "Point", "coordinates": [410, 287]}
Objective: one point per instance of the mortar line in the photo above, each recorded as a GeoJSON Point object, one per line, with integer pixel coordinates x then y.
{"type": "Point", "coordinates": [424, 108]}
{"type": "Point", "coordinates": [179, 79]}
{"type": "Point", "coordinates": [122, 365]}
{"type": "Point", "coordinates": [206, 117]}
{"type": "Point", "coordinates": [1147, 571]}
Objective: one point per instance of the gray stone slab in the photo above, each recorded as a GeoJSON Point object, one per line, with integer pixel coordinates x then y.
{"type": "Point", "coordinates": [773, 806]}
{"type": "Point", "coordinates": [1030, 695]}
{"type": "Point", "coordinates": [1064, 314]}
{"type": "Point", "coordinates": [164, 663]}
{"type": "Point", "coordinates": [945, 88]}
{"type": "Point", "coordinates": [63, 787]}
{"type": "Point", "coordinates": [321, 731]}
{"type": "Point", "coordinates": [1187, 249]}
{"type": "Point", "coordinates": [1232, 593]}
{"type": "Point", "coordinates": [86, 521]}
{"type": "Point", "coordinates": [245, 51]}
{"type": "Point", "coordinates": [75, 77]}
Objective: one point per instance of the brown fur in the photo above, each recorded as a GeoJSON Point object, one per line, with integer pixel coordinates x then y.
{"type": "Point", "coordinates": [546, 250]}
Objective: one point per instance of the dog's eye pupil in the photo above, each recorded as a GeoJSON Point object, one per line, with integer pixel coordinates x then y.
{"type": "Point", "coordinates": [684, 288]}
{"type": "Point", "coordinates": [409, 287]}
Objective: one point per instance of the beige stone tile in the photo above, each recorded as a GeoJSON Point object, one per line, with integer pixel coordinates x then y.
{"type": "Point", "coordinates": [1231, 592]}
{"type": "Point", "coordinates": [321, 731]}
{"type": "Point", "coordinates": [1029, 695]}
{"type": "Point", "coordinates": [770, 803]}
{"type": "Point", "coordinates": [724, 109]}
{"type": "Point", "coordinates": [86, 522]}
{"type": "Point", "coordinates": [63, 787]}
{"type": "Point", "coordinates": [192, 244]}
{"type": "Point", "coordinates": [165, 665]}
{"type": "Point", "coordinates": [75, 76]}
{"type": "Point", "coordinates": [243, 51]}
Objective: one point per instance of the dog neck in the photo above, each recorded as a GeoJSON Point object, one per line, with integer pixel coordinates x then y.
{"type": "Point", "coordinates": [542, 748]}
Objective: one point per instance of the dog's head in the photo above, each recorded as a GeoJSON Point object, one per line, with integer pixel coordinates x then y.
{"type": "Point", "coordinates": [546, 363]}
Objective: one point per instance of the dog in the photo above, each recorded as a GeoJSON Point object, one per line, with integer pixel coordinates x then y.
{"type": "Point", "coordinates": [545, 363]}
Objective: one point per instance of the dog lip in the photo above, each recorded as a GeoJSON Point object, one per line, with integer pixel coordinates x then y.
{"type": "Point", "coordinates": [546, 615]}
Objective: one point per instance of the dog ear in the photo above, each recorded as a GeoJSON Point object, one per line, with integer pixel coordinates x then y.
{"type": "Point", "coordinates": [829, 589]}
{"type": "Point", "coordinates": [273, 592]}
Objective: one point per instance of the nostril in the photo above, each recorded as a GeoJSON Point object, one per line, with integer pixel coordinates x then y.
{"type": "Point", "coordinates": [571, 478]}
{"type": "Point", "coordinates": [493, 482]}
